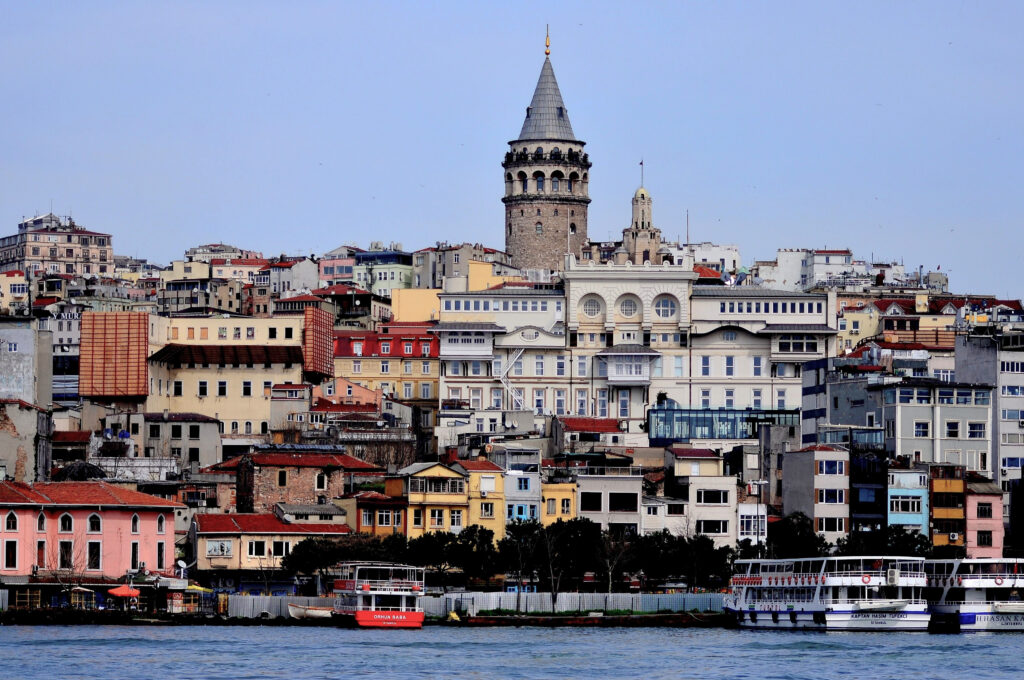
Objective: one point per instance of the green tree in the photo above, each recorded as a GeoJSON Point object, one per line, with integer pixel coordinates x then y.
{"type": "Point", "coordinates": [794, 536]}
{"type": "Point", "coordinates": [313, 556]}
{"type": "Point", "coordinates": [517, 552]}
{"type": "Point", "coordinates": [433, 550]}
{"type": "Point", "coordinates": [565, 553]}
{"type": "Point", "coordinates": [473, 552]}
{"type": "Point", "coordinates": [613, 551]}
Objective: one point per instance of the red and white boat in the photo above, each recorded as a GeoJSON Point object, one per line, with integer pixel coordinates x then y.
{"type": "Point", "coordinates": [379, 595]}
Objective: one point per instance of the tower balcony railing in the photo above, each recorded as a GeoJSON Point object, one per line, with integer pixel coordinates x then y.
{"type": "Point", "coordinates": [559, 157]}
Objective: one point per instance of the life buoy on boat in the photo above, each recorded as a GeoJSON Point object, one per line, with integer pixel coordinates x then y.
{"type": "Point", "coordinates": [959, 580]}
{"type": "Point", "coordinates": [866, 578]}
{"type": "Point", "coordinates": [999, 580]}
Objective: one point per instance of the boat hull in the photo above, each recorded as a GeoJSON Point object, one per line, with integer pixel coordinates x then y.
{"type": "Point", "coordinates": [906, 620]}
{"type": "Point", "coordinates": [990, 620]}
{"type": "Point", "coordinates": [366, 618]}
{"type": "Point", "coordinates": [298, 611]}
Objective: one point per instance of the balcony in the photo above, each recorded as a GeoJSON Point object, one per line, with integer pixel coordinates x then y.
{"type": "Point", "coordinates": [628, 364]}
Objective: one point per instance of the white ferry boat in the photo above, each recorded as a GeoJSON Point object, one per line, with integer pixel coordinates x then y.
{"type": "Point", "coordinates": [830, 593]}
{"type": "Point", "coordinates": [379, 595]}
{"type": "Point", "coordinates": [976, 594]}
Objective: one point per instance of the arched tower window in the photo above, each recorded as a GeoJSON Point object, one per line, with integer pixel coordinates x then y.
{"type": "Point", "coordinates": [95, 524]}
{"type": "Point", "coordinates": [135, 524]}
{"type": "Point", "coordinates": [572, 228]}
{"type": "Point", "coordinates": [539, 227]}
{"type": "Point", "coordinates": [66, 523]}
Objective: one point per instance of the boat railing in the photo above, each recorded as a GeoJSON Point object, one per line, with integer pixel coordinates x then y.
{"type": "Point", "coordinates": [390, 585]}
{"type": "Point", "coordinates": [981, 602]}
{"type": "Point", "coordinates": [861, 600]}
{"type": "Point", "coordinates": [881, 573]}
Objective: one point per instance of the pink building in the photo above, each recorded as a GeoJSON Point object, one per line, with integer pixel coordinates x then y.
{"type": "Point", "coordinates": [984, 519]}
{"type": "Point", "coordinates": [79, 534]}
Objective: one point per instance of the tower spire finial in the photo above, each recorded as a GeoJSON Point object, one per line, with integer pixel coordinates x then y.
{"type": "Point", "coordinates": [547, 40]}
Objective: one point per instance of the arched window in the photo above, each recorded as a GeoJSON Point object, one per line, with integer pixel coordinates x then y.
{"type": "Point", "coordinates": [160, 522]}
{"type": "Point", "coordinates": [234, 427]}
{"type": "Point", "coordinates": [264, 427]}
{"type": "Point", "coordinates": [135, 524]}
{"type": "Point", "coordinates": [95, 524]}
{"type": "Point", "coordinates": [41, 522]}
{"type": "Point", "coordinates": [524, 181]}
{"type": "Point", "coordinates": [11, 523]}
{"type": "Point", "coordinates": [628, 308]}
{"type": "Point", "coordinates": [572, 228]}
{"type": "Point", "coordinates": [539, 227]}
{"type": "Point", "coordinates": [591, 307]}
{"type": "Point", "coordinates": [665, 307]}
{"type": "Point", "coordinates": [554, 185]}
{"type": "Point", "coordinates": [66, 523]}
{"type": "Point", "coordinates": [540, 184]}
{"type": "Point", "coordinates": [556, 209]}
{"type": "Point", "coordinates": [248, 427]}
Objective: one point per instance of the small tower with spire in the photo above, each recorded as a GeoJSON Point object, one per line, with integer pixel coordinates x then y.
{"type": "Point", "coordinates": [641, 239]}
{"type": "Point", "coordinates": [546, 182]}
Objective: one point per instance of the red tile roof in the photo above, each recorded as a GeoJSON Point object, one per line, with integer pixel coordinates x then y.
{"type": "Point", "coordinates": [76, 437]}
{"type": "Point", "coordinates": [589, 424]}
{"type": "Point", "coordinates": [340, 289]}
{"type": "Point", "coordinates": [228, 354]}
{"type": "Point", "coordinates": [821, 447]}
{"type": "Point", "coordinates": [315, 460]}
{"type": "Point", "coordinates": [261, 524]}
{"type": "Point", "coordinates": [14, 272]}
{"type": "Point", "coordinates": [326, 406]}
{"type": "Point", "coordinates": [79, 494]}
{"type": "Point", "coordinates": [302, 298]}
{"type": "Point", "coordinates": [680, 452]}
{"type": "Point", "coordinates": [22, 403]}
{"type": "Point", "coordinates": [44, 301]}
{"type": "Point", "coordinates": [707, 272]}
{"type": "Point", "coordinates": [478, 466]}
{"type": "Point", "coordinates": [242, 262]}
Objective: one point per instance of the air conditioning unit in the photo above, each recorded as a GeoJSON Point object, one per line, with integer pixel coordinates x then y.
{"type": "Point", "coordinates": [954, 536]}
{"type": "Point", "coordinates": [1020, 424]}
{"type": "Point", "coordinates": [892, 577]}
{"type": "Point", "coordinates": [483, 494]}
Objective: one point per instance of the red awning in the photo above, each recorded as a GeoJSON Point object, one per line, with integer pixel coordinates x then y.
{"type": "Point", "coordinates": [124, 591]}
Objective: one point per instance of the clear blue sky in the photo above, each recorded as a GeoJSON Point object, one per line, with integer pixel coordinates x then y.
{"type": "Point", "coordinates": [891, 128]}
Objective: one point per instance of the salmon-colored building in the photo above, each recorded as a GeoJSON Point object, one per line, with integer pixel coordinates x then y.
{"type": "Point", "coordinates": [58, 535]}
{"type": "Point", "coordinates": [984, 519]}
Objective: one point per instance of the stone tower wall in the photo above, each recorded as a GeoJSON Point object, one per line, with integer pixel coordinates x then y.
{"type": "Point", "coordinates": [556, 210]}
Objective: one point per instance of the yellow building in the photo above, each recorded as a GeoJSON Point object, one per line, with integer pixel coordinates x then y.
{"type": "Point", "coordinates": [436, 497]}
{"type": "Point", "coordinates": [13, 291]}
{"type": "Point", "coordinates": [400, 360]}
{"type": "Point", "coordinates": [229, 383]}
{"type": "Point", "coordinates": [558, 498]}
{"type": "Point", "coordinates": [214, 330]}
{"type": "Point", "coordinates": [415, 304]}
{"type": "Point", "coordinates": [486, 494]}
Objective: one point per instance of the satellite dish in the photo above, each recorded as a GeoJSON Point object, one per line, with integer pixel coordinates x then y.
{"type": "Point", "coordinates": [181, 564]}
{"type": "Point", "coordinates": [108, 433]}
{"type": "Point", "coordinates": [123, 434]}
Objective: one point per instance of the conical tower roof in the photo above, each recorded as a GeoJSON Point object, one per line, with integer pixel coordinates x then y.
{"type": "Point", "coordinates": [547, 117]}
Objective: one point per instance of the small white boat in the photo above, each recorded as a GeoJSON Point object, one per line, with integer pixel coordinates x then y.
{"type": "Point", "coordinates": [881, 605]}
{"type": "Point", "coordinates": [298, 611]}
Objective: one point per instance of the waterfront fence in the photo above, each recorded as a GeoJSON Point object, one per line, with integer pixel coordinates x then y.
{"type": "Point", "coordinates": [270, 606]}
{"type": "Point", "coordinates": [471, 603]}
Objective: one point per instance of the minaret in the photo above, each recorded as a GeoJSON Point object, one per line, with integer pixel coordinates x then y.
{"type": "Point", "coordinates": [546, 182]}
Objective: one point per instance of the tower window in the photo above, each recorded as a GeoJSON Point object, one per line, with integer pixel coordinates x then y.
{"type": "Point", "coordinates": [572, 228]}
{"type": "Point", "coordinates": [520, 212]}
{"type": "Point", "coordinates": [540, 184]}
{"type": "Point", "coordinates": [539, 227]}
{"type": "Point", "coordinates": [554, 185]}
{"type": "Point", "coordinates": [561, 112]}
{"type": "Point", "coordinates": [556, 209]}
{"type": "Point", "coordinates": [538, 212]}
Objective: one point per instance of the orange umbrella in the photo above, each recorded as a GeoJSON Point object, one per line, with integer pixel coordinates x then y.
{"type": "Point", "coordinates": [124, 591]}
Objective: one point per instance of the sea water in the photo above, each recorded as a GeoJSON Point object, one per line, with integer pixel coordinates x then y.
{"type": "Point", "coordinates": [242, 653]}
